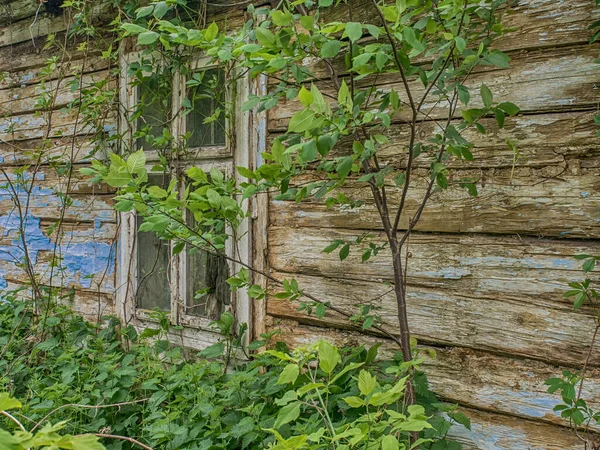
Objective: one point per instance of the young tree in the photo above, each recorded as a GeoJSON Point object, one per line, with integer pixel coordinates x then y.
{"type": "Point", "coordinates": [353, 82]}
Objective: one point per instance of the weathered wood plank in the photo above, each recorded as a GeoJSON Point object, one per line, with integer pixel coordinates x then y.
{"type": "Point", "coordinates": [498, 432]}
{"type": "Point", "coordinates": [562, 139]}
{"type": "Point", "coordinates": [540, 202]}
{"type": "Point", "coordinates": [560, 79]}
{"type": "Point", "coordinates": [533, 23]}
{"type": "Point", "coordinates": [499, 384]}
{"type": "Point", "coordinates": [449, 317]}
{"type": "Point", "coordinates": [35, 126]}
{"type": "Point", "coordinates": [22, 30]}
{"type": "Point", "coordinates": [91, 304]}
{"type": "Point", "coordinates": [16, 78]}
{"type": "Point", "coordinates": [12, 11]}
{"type": "Point", "coordinates": [85, 257]}
{"type": "Point", "coordinates": [76, 150]}
{"type": "Point", "coordinates": [532, 271]}
{"type": "Point", "coordinates": [25, 99]}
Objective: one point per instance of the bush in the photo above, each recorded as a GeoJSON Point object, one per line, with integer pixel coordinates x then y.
{"type": "Point", "coordinates": [110, 380]}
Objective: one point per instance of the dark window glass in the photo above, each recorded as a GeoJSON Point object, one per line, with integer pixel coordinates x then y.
{"type": "Point", "coordinates": [154, 96]}
{"type": "Point", "coordinates": [206, 99]}
{"type": "Point", "coordinates": [207, 288]}
{"type": "Point", "coordinates": [153, 264]}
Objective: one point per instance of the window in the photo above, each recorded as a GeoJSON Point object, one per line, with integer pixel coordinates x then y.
{"type": "Point", "coordinates": [179, 120]}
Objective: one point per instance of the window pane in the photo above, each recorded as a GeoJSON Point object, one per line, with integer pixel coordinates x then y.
{"type": "Point", "coordinates": [154, 96]}
{"type": "Point", "coordinates": [206, 98]}
{"type": "Point", "coordinates": [207, 288]}
{"type": "Point", "coordinates": [153, 264]}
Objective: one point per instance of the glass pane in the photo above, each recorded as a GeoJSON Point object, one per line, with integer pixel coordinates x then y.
{"type": "Point", "coordinates": [206, 98]}
{"type": "Point", "coordinates": [153, 264]}
{"type": "Point", "coordinates": [154, 96]}
{"type": "Point", "coordinates": [207, 288]}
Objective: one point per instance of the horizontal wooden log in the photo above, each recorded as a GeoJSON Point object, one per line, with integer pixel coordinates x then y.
{"type": "Point", "coordinates": [533, 23]}
{"type": "Point", "coordinates": [554, 139]}
{"type": "Point", "coordinates": [26, 30]}
{"type": "Point", "coordinates": [37, 126]}
{"type": "Point", "coordinates": [14, 10]}
{"type": "Point", "coordinates": [531, 271]}
{"type": "Point", "coordinates": [561, 79]}
{"type": "Point", "coordinates": [75, 150]}
{"type": "Point", "coordinates": [497, 384]}
{"type": "Point", "coordinates": [498, 432]}
{"type": "Point", "coordinates": [527, 201]}
{"type": "Point", "coordinates": [19, 78]}
{"type": "Point", "coordinates": [448, 317]}
{"type": "Point", "coordinates": [91, 304]}
{"type": "Point", "coordinates": [82, 258]}
{"type": "Point", "coordinates": [26, 99]}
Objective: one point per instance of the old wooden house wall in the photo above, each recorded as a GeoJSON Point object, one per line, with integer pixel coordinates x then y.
{"type": "Point", "coordinates": [487, 274]}
{"type": "Point", "coordinates": [89, 228]}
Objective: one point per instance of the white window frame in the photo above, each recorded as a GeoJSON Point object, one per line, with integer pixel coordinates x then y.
{"type": "Point", "coordinates": [224, 158]}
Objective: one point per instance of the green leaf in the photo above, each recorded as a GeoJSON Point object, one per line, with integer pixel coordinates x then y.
{"type": "Point", "coordinates": [462, 419]}
{"type": "Point", "coordinates": [280, 18]}
{"type": "Point", "coordinates": [145, 11]}
{"type": "Point", "coordinates": [289, 374]}
{"type": "Point", "coordinates": [211, 32]}
{"type": "Point", "coordinates": [344, 252]}
{"type": "Point", "coordinates": [344, 166]}
{"type": "Point", "coordinates": [461, 44]}
{"type": "Point", "coordinates": [301, 121]}
{"type": "Point", "coordinates": [367, 383]}
{"type": "Point", "coordinates": [331, 49]}
{"type": "Point", "coordinates": [160, 9]}
{"type": "Point", "coordinates": [6, 402]}
{"type": "Point", "coordinates": [486, 96]}
{"type": "Point", "coordinates": [361, 60]}
{"type": "Point", "coordinates": [325, 3]}
{"type": "Point", "coordinates": [288, 414]}
{"type": "Point", "coordinates": [589, 265]}
{"type": "Point", "coordinates": [390, 442]}
{"type": "Point", "coordinates": [498, 58]}
{"type": "Point", "coordinates": [86, 442]}
{"type": "Point", "coordinates": [136, 161]}
{"type": "Point", "coordinates": [353, 31]}
{"type": "Point", "coordinates": [9, 442]}
{"type": "Point", "coordinates": [305, 96]}
{"type": "Point", "coordinates": [499, 117]}
{"type": "Point", "coordinates": [509, 108]}
{"type": "Point", "coordinates": [309, 151]}
{"type": "Point", "coordinates": [329, 357]}
{"type": "Point", "coordinates": [265, 37]}
{"type": "Point", "coordinates": [354, 402]}
{"type": "Point", "coordinates": [147, 38]}
{"type": "Point", "coordinates": [131, 28]}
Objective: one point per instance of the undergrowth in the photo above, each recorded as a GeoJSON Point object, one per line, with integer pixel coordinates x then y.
{"type": "Point", "coordinates": [317, 397]}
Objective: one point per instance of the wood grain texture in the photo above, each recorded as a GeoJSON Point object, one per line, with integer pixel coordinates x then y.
{"type": "Point", "coordinates": [447, 317]}
{"type": "Point", "coordinates": [25, 29]}
{"type": "Point", "coordinates": [554, 139]}
{"type": "Point", "coordinates": [76, 150]}
{"type": "Point", "coordinates": [492, 383]}
{"type": "Point", "coordinates": [532, 23]}
{"type": "Point", "coordinates": [539, 202]}
{"type": "Point", "coordinates": [60, 124]}
{"type": "Point", "coordinates": [504, 268]}
{"type": "Point", "coordinates": [561, 79]}
{"type": "Point", "coordinates": [25, 99]}
{"type": "Point", "coordinates": [84, 256]}
{"type": "Point", "coordinates": [16, 77]}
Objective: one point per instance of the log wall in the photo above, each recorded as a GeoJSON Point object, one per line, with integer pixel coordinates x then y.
{"type": "Point", "coordinates": [84, 245]}
{"type": "Point", "coordinates": [486, 275]}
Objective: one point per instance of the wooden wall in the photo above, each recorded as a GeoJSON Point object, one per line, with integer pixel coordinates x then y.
{"type": "Point", "coordinates": [487, 274]}
{"type": "Point", "coordinates": [88, 233]}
